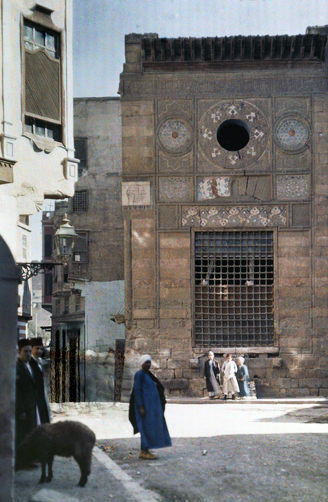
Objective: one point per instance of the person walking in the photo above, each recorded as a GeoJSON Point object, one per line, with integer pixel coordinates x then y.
{"type": "Point", "coordinates": [242, 377]}
{"type": "Point", "coordinates": [230, 384]}
{"type": "Point", "coordinates": [146, 410]}
{"type": "Point", "coordinates": [211, 372]}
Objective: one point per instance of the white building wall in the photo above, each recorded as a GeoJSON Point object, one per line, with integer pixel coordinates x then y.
{"type": "Point", "coordinates": [38, 172]}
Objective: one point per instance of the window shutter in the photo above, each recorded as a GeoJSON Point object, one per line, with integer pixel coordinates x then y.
{"type": "Point", "coordinates": [42, 86]}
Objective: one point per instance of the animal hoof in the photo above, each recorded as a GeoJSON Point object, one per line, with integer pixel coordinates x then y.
{"type": "Point", "coordinates": [48, 480]}
{"type": "Point", "coordinates": [42, 480]}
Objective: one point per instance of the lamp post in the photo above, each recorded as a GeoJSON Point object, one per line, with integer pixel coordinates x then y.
{"type": "Point", "coordinates": [65, 237]}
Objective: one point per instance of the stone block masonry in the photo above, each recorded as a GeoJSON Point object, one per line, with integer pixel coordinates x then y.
{"type": "Point", "coordinates": [174, 105]}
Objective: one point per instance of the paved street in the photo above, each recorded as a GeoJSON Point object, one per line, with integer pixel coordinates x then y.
{"type": "Point", "coordinates": [221, 451]}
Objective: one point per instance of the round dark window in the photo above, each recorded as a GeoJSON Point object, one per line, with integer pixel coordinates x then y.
{"type": "Point", "coordinates": [233, 135]}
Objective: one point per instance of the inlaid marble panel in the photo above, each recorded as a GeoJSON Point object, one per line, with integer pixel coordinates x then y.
{"type": "Point", "coordinates": [212, 187]}
{"type": "Point", "coordinates": [175, 189]}
{"type": "Point", "coordinates": [236, 216]}
{"type": "Point", "coordinates": [136, 193]}
{"type": "Point", "coordinates": [293, 187]}
{"type": "Point", "coordinates": [175, 136]}
{"type": "Point", "coordinates": [292, 134]}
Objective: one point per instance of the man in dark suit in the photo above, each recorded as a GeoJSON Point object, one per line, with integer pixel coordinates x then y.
{"type": "Point", "coordinates": [42, 401]}
{"type": "Point", "coordinates": [30, 405]}
{"type": "Point", "coordinates": [27, 416]}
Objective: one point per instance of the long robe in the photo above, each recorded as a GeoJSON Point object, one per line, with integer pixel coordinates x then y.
{"type": "Point", "coordinates": [243, 377]}
{"type": "Point", "coordinates": [230, 384]}
{"type": "Point", "coordinates": [152, 426]}
{"type": "Point", "coordinates": [210, 372]}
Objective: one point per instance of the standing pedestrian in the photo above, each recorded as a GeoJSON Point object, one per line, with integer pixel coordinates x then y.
{"type": "Point", "coordinates": [242, 377]}
{"type": "Point", "coordinates": [146, 410]}
{"type": "Point", "coordinates": [230, 384]}
{"type": "Point", "coordinates": [27, 413]}
{"type": "Point", "coordinates": [211, 372]}
{"type": "Point", "coordinates": [36, 364]}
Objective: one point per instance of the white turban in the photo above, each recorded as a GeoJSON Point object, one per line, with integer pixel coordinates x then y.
{"type": "Point", "coordinates": [144, 358]}
{"type": "Point", "coordinates": [241, 359]}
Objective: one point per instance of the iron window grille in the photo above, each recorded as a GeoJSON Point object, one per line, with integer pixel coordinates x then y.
{"type": "Point", "coordinates": [80, 201]}
{"type": "Point", "coordinates": [233, 289]}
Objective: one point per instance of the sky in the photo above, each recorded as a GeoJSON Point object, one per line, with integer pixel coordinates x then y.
{"type": "Point", "coordinates": [100, 26]}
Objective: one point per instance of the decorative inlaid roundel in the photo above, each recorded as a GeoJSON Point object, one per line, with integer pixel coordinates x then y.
{"type": "Point", "coordinates": [292, 134]}
{"type": "Point", "coordinates": [175, 136]}
{"type": "Point", "coordinates": [233, 134]}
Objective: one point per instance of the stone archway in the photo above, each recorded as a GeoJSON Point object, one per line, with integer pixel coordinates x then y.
{"type": "Point", "coordinates": [9, 279]}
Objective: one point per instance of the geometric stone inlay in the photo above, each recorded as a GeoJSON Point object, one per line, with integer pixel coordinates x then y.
{"type": "Point", "coordinates": [236, 216]}
{"type": "Point", "coordinates": [175, 136]}
{"type": "Point", "coordinates": [175, 189]}
{"type": "Point", "coordinates": [293, 187]}
{"type": "Point", "coordinates": [253, 119]}
{"type": "Point", "coordinates": [292, 134]}
{"type": "Point", "coordinates": [213, 187]}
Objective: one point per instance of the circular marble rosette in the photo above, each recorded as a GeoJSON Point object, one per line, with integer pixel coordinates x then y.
{"type": "Point", "coordinates": [245, 113]}
{"type": "Point", "coordinates": [175, 136]}
{"type": "Point", "coordinates": [292, 134]}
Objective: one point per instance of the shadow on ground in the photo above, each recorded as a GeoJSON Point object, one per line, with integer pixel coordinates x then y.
{"type": "Point", "coordinates": [252, 468]}
{"type": "Point", "coordinates": [313, 414]}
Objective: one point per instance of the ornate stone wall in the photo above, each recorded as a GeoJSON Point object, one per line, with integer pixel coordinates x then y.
{"type": "Point", "coordinates": [276, 182]}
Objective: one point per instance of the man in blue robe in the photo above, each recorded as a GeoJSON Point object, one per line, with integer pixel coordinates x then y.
{"type": "Point", "coordinates": [146, 411]}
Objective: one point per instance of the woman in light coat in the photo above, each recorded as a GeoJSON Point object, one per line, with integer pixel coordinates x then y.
{"type": "Point", "coordinates": [230, 384]}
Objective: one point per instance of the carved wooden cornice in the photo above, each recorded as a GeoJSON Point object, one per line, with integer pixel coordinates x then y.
{"type": "Point", "coordinates": [310, 47]}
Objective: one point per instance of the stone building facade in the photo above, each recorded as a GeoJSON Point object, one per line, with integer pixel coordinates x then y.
{"type": "Point", "coordinates": [224, 193]}
{"type": "Point", "coordinates": [88, 296]}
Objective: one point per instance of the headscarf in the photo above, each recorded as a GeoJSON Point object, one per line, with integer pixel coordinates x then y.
{"type": "Point", "coordinates": [241, 359]}
{"type": "Point", "coordinates": [211, 352]}
{"type": "Point", "coordinates": [144, 358]}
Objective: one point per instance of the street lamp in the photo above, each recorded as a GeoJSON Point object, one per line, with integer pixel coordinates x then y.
{"type": "Point", "coordinates": [65, 237]}
{"type": "Point", "coordinates": [64, 243]}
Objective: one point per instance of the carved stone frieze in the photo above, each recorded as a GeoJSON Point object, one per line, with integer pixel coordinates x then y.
{"type": "Point", "coordinates": [175, 164]}
{"type": "Point", "coordinates": [213, 187]}
{"type": "Point", "coordinates": [291, 187]}
{"type": "Point", "coordinates": [234, 216]}
{"type": "Point", "coordinates": [197, 86]}
{"type": "Point", "coordinates": [247, 114]}
{"type": "Point", "coordinates": [299, 105]}
{"type": "Point", "coordinates": [284, 160]}
{"type": "Point", "coordinates": [169, 108]}
{"type": "Point", "coordinates": [175, 189]}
